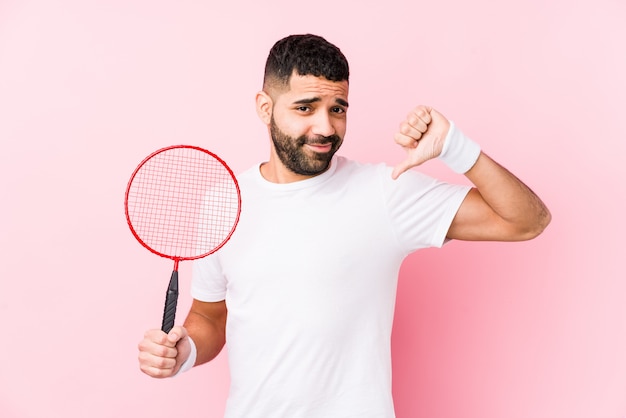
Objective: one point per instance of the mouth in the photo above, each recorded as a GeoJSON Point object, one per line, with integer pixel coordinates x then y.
{"type": "Point", "coordinates": [320, 148]}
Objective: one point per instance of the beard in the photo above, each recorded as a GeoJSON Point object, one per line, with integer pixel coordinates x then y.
{"type": "Point", "coordinates": [298, 159]}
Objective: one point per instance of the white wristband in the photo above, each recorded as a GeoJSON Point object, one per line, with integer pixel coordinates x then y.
{"type": "Point", "coordinates": [191, 360]}
{"type": "Point", "coordinates": [459, 152]}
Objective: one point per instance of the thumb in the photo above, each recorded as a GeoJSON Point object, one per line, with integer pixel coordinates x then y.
{"type": "Point", "coordinates": [176, 334]}
{"type": "Point", "coordinates": [401, 168]}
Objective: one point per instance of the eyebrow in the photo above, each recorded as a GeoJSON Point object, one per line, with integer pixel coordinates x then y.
{"type": "Point", "coordinates": [317, 99]}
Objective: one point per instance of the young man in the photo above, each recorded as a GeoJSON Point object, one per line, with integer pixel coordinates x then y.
{"type": "Point", "coordinates": [304, 291]}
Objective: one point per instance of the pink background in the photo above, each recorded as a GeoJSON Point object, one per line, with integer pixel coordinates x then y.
{"type": "Point", "coordinates": [89, 88]}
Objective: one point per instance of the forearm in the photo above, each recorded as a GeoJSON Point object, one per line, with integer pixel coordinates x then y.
{"type": "Point", "coordinates": [208, 333]}
{"type": "Point", "coordinates": [510, 199]}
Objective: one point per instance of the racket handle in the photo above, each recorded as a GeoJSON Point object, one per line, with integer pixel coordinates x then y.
{"type": "Point", "coordinates": [171, 299]}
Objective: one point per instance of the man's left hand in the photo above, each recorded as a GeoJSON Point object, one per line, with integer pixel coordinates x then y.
{"type": "Point", "coordinates": [422, 135]}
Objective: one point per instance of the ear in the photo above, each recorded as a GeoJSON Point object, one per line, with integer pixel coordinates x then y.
{"type": "Point", "coordinates": [264, 105]}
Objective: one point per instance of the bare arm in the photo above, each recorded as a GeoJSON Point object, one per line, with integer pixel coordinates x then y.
{"type": "Point", "coordinates": [499, 208]}
{"type": "Point", "coordinates": [206, 324]}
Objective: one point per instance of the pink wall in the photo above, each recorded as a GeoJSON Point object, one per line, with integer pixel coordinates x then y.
{"type": "Point", "coordinates": [487, 330]}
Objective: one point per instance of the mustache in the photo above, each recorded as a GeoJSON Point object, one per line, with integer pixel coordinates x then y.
{"type": "Point", "coordinates": [319, 140]}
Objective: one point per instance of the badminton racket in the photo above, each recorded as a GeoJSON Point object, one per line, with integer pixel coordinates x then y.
{"type": "Point", "coordinates": [183, 203]}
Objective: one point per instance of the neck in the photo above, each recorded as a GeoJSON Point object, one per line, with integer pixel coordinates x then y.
{"type": "Point", "coordinates": [275, 172]}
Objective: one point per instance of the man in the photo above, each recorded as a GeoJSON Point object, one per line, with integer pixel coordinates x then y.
{"type": "Point", "coordinates": [304, 291]}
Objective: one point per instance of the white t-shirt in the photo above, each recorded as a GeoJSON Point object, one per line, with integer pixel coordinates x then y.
{"type": "Point", "coordinates": [309, 278]}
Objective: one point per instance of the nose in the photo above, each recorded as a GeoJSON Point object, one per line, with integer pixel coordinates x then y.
{"type": "Point", "coordinates": [323, 125]}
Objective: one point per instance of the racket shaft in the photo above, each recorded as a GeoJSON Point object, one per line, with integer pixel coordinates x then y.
{"type": "Point", "coordinates": [171, 300]}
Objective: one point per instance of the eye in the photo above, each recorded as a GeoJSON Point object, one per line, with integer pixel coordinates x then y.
{"type": "Point", "coordinates": [304, 109]}
{"type": "Point", "coordinates": [338, 109]}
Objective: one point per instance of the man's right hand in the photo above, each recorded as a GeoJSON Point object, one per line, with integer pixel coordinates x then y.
{"type": "Point", "coordinates": [161, 355]}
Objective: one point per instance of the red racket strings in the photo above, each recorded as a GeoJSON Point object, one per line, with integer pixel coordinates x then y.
{"type": "Point", "coordinates": [182, 203]}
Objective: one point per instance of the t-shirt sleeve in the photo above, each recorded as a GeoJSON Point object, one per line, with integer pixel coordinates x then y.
{"type": "Point", "coordinates": [208, 283]}
{"type": "Point", "coordinates": [421, 208]}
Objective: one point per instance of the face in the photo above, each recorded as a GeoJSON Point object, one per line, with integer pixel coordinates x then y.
{"type": "Point", "coordinates": [307, 125]}
{"type": "Point", "coordinates": [306, 156]}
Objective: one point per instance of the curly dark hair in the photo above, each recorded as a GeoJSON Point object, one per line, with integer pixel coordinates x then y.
{"type": "Point", "coordinates": [307, 55]}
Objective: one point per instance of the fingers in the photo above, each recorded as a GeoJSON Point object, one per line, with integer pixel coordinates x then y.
{"type": "Point", "coordinates": [413, 127]}
{"type": "Point", "coordinates": [417, 135]}
{"type": "Point", "coordinates": [158, 352]}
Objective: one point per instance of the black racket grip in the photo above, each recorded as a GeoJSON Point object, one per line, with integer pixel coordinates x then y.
{"type": "Point", "coordinates": [171, 299]}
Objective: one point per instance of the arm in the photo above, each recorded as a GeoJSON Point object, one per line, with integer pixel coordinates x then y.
{"type": "Point", "coordinates": [206, 323]}
{"type": "Point", "coordinates": [162, 355]}
{"type": "Point", "coordinates": [499, 208]}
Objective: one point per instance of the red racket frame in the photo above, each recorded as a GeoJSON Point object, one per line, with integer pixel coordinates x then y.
{"type": "Point", "coordinates": [176, 258]}
{"type": "Point", "coordinates": [169, 311]}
